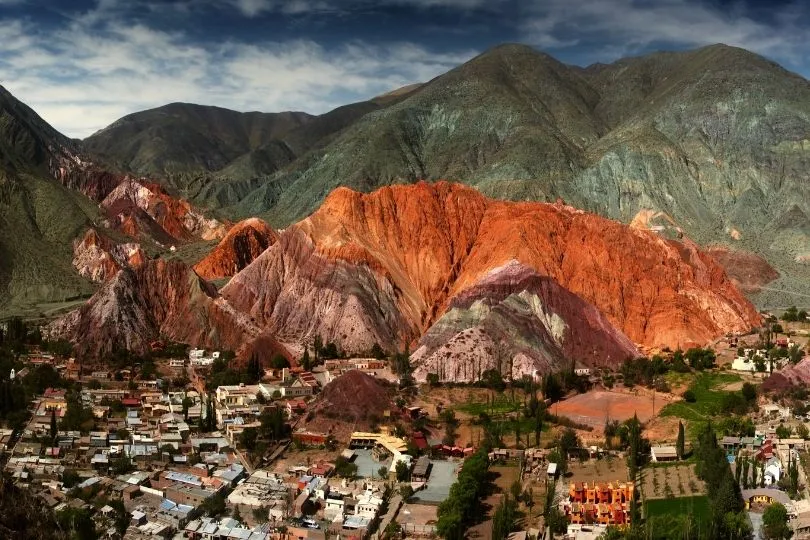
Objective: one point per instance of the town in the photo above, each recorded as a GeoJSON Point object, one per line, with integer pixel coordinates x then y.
{"type": "Point", "coordinates": [191, 443]}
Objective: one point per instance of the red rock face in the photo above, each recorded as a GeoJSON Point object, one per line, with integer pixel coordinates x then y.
{"type": "Point", "coordinates": [429, 242]}
{"type": "Point", "coordinates": [99, 258]}
{"type": "Point", "coordinates": [748, 271]}
{"type": "Point", "coordinates": [139, 208]}
{"type": "Point", "coordinates": [244, 242]}
{"type": "Point", "coordinates": [159, 299]}
{"type": "Point", "coordinates": [385, 267]}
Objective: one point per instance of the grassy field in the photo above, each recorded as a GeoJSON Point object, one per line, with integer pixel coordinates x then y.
{"type": "Point", "coordinates": [707, 397]}
{"type": "Point", "coordinates": [696, 506]}
{"type": "Point", "coordinates": [501, 404]}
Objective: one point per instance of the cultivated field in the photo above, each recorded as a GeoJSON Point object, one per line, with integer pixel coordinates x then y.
{"type": "Point", "coordinates": [612, 469]}
{"type": "Point", "coordinates": [596, 407]}
{"type": "Point", "coordinates": [671, 481]}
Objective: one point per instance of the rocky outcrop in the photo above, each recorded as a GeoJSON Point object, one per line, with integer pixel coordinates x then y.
{"type": "Point", "coordinates": [536, 285]}
{"type": "Point", "coordinates": [384, 267]}
{"type": "Point", "coordinates": [138, 208]}
{"type": "Point", "coordinates": [297, 293]}
{"type": "Point", "coordinates": [244, 242]}
{"type": "Point", "coordinates": [160, 300]}
{"type": "Point", "coordinates": [517, 322]}
{"type": "Point", "coordinates": [99, 258]}
{"type": "Point", "coordinates": [748, 271]}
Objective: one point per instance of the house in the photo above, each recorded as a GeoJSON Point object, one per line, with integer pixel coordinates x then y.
{"type": "Point", "coordinates": [421, 471]}
{"type": "Point", "coordinates": [730, 444]}
{"type": "Point", "coordinates": [418, 439]}
{"type": "Point", "coordinates": [743, 364]}
{"type": "Point", "coordinates": [772, 472]}
{"type": "Point", "coordinates": [308, 438]}
{"type": "Point", "coordinates": [297, 388]}
{"type": "Point", "coordinates": [368, 506]}
{"type": "Point", "coordinates": [582, 372]}
{"type": "Point", "coordinates": [764, 496]}
{"type": "Point", "coordinates": [295, 406]}
{"type": "Point", "coordinates": [177, 363]}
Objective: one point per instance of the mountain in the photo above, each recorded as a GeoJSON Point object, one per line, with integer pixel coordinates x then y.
{"type": "Point", "coordinates": [715, 138]}
{"type": "Point", "coordinates": [244, 242]}
{"type": "Point", "coordinates": [66, 221]}
{"type": "Point", "coordinates": [517, 321]}
{"type": "Point", "coordinates": [440, 266]}
{"type": "Point", "coordinates": [445, 268]}
{"type": "Point", "coordinates": [182, 137]}
{"type": "Point", "coordinates": [39, 218]}
{"type": "Point", "coordinates": [158, 300]}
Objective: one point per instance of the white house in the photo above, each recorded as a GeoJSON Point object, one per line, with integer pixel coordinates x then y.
{"type": "Point", "coordinates": [744, 364]}
{"type": "Point", "coordinates": [368, 506]}
{"type": "Point", "coordinates": [773, 472]}
{"type": "Point", "coordinates": [663, 453]}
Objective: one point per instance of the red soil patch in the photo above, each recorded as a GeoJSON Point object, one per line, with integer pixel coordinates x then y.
{"type": "Point", "coordinates": [594, 408]}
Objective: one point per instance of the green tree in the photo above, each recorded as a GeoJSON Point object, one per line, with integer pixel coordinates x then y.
{"type": "Point", "coordinates": [493, 379]}
{"type": "Point", "coordinates": [306, 362]}
{"type": "Point", "coordinates": [260, 515]}
{"type": "Point", "coordinates": [187, 403]}
{"type": "Point", "coordinates": [783, 432]}
{"type": "Point", "coordinates": [749, 392]}
{"type": "Point", "coordinates": [403, 472]}
{"type": "Point", "coordinates": [122, 465]}
{"type": "Point", "coordinates": [552, 389]}
{"type": "Point", "coordinates": [254, 371]}
{"type": "Point", "coordinates": [775, 523]}
{"type": "Point", "coordinates": [317, 347]}
{"type": "Point", "coordinates": [279, 361]}
{"type": "Point", "coordinates": [54, 431]}
{"type": "Point", "coordinates": [70, 478]}
{"type": "Point", "coordinates": [790, 315]}
{"type": "Point", "coordinates": [214, 505]}
{"type": "Point", "coordinates": [795, 354]}
{"type": "Point", "coordinates": [345, 468]}
{"type": "Point", "coordinates": [78, 521]}
{"type": "Point", "coordinates": [121, 517]}
{"type": "Point", "coordinates": [680, 445]}
{"type": "Point", "coordinates": [377, 351]}
{"type": "Point", "coordinates": [569, 441]}
{"type": "Point", "coordinates": [248, 438]}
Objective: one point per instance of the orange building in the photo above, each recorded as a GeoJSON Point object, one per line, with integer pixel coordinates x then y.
{"type": "Point", "coordinates": [606, 504]}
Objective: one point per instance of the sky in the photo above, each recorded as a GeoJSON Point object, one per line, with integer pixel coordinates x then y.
{"type": "Point", "coordinates": [82, 64]}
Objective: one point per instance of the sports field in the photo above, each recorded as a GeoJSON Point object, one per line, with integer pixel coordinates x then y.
{"type": "Point", "coordinates": [696, 506]}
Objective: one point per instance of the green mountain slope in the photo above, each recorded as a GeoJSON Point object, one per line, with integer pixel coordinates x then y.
{"type": "Point", "coordinates": [39, 218]}
{"type": "Point", "coordinates": [182, 137]}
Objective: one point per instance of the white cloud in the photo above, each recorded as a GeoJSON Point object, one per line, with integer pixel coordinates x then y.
{"type": "Point", "coordinates": [631, 25]}
{"type": "Point", "coordinates": [89, 73]}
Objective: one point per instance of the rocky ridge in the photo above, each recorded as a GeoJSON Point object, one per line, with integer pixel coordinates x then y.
{"type": "Point", "coordinates": [443, 264]}
{"type": "Point", "coordinates": [241, 245]}
{"type": "Point", "coordinates": [99, 258]}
